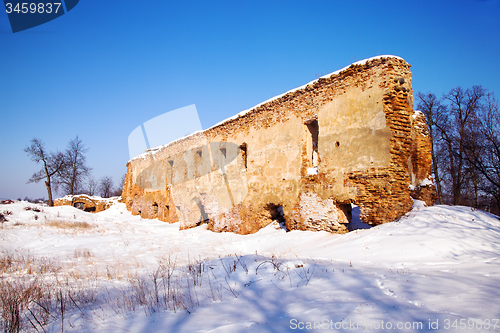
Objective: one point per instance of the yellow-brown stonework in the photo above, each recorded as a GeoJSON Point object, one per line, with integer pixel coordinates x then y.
{"type": "Point", "coordinates": [85, 202]}
{"type": "Point", "coordinates": [303, 157]}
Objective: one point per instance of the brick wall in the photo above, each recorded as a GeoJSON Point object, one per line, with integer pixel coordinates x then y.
{"type": "Point", "coordinates": [352, 137]}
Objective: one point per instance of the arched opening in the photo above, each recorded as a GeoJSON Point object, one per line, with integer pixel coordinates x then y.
{"type": "Point", "coordinates": [79, 205]}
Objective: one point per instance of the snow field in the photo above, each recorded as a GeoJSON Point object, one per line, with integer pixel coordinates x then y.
{"type": "Point", "coordinates": [113, 272]}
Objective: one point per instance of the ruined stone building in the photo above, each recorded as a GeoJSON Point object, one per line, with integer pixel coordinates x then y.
{"type": "Point", "coordinates": [351, 137]}
{"type": "Point", "coordinates": [85, 202]}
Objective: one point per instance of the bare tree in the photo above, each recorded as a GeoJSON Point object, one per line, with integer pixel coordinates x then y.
{"type": "Point", "coordinates": [482, 151]}
{"type": "Point", "coordinates": [52, 164]}
{"type": "Point", "coordinates": [106, 186]}
{"type": "Point", "coordinates": [434, 111]}
{"type": "Point", "coordinates": [463, 136]}
{"type": "Point", "coordinates": [92, 186]}
{"type": "Point", "coordinates": [463, 106]}
{"type": "Point", "coordinates": [118, 191]}
{"type": "Point", "coordinates": [75, 169]}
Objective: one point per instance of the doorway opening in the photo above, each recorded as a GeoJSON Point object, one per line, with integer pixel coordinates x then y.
{"type": "Point", "coordinates": [201, 215]}
{"type": "Point", "coordinates": [166, 213]}
{"type": "Point", "coordinates": [276, 214]}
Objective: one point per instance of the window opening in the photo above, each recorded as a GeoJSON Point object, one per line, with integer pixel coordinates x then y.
{"type": "Point", "coordinates": [243, 149]}
{"type": "Point", "coordinates": [313, 128]}
{"type": "Point", "coordinates": [171, 180]}
{"type": "Point", "coordinates": [155, 210]}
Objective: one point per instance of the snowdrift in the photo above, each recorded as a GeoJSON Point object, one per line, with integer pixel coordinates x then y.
{"type": "Point", "coordinates": [437, 267]}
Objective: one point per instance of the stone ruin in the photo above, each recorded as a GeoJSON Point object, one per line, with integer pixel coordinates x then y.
{"type": "Point", "coordinates": [304, 157]}
{"type": "Point", "coordinates": [85, 202]}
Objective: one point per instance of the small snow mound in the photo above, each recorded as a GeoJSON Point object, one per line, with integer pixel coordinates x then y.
{"type": "Point", "coordinates": [417, 113]}
{"type": "Point", "coordinates": [427, 182]}
{"type": "Point", "coordinates": [418, 204]}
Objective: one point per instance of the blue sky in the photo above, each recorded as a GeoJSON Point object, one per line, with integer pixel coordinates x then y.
{"type": "Point", "coordinates": [106, 67]}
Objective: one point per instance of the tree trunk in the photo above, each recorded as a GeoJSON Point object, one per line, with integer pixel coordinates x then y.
{"type": "Point", "coordinates": [49, 191]}
{"type": "Point", "coordinates": [47, 183]}
{"type": "Point", "coordinates": [454, 180]}
{"type": "Point", "coordinates": [436, 174]}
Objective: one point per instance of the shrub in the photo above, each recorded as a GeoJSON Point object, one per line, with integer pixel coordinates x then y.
{"type": "Point", "coordinates": [35, 209]}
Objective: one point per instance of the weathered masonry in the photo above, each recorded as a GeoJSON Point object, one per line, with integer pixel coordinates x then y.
{"type": "Point", "coordinates": [305, 156]}
{"type": "Point", "coordinates": [85, 202]}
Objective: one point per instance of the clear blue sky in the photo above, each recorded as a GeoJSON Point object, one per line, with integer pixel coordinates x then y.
{"type": "Point", "coordinates": [106, 67]}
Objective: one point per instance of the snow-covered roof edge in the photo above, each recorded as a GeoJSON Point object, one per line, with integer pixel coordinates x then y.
{"type": "Point", "coordinates": [361, 62]}
{"type": "Point", "coordinates": [153, 151]}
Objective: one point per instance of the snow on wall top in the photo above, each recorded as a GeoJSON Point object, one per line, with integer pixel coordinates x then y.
{"type": "Point", "coordinates": [152, 151]}
{"type": "Point", "coordinates": [417, 113]}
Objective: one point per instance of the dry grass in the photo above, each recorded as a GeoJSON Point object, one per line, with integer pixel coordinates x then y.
{"type": "Point", "coordinates": [23, 301]}
{"type": "Point", "coordinates": [38, 293]}
{"type": "Point", "coordinates": [72, 225]}
{"type": "Point", "coordinates": [25, 293]}
{"type": "Point", "coordinates": [83, 253]}
{"type": "Point", "coordinates": [22, 263]}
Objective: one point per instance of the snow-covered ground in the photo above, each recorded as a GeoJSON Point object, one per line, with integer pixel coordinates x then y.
{"type": "Point", "coordinates": [436, 269]}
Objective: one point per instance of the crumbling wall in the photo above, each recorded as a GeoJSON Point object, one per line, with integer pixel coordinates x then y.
{"type": "Point", "coordinates": [348, 138]}
{"type": "Point", "coordinates": [84, 202]}
{"type": "Point", "coordinates": [420, 163]}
